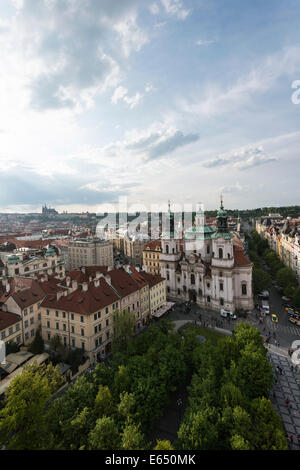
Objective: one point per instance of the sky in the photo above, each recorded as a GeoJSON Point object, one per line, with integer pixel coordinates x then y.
{"type": "Point", "coordinates": [149, 101]}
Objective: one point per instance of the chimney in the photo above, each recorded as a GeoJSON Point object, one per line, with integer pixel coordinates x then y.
{"type": "Point", "coordinates": [68, 281]}
{"type": "Point", "coordinates": [108, 279]}
{"type": "Point", "coordinates": [7, 287]}
{"type": "Point", "coordinates": [98, 274]}
{"type": "Point", "coordinates": [74, 285]}
{"type": "Point", "coordinates": [59, 295]}
{"type": "Point", "coordinates": [83, 269]}
{"type": "Point", "coordinates": [110, 268]}
{"type": "Point", "coordinates": [90, 278]}
{"type": "Point", "coordinates": [85, 286]}
{"type": "Point", "coordinates": [97, 282]}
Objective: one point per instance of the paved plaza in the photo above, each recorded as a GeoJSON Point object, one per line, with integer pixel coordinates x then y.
{"type": "Point", "coordinates": [286, 385]}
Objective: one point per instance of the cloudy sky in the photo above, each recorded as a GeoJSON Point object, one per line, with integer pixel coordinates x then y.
{"type": "Point", "coordinates": [152, 100]}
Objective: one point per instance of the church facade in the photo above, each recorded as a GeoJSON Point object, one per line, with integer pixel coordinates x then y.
{"type": "Point", "coordinates": [210, 267]}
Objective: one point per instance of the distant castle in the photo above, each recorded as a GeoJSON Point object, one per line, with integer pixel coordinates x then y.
{"type": "Point", "coordinates": [47, 210]}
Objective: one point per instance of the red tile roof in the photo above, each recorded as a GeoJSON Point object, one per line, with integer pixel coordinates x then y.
{"type": "Point", "coordinates": [154, 245]}
{"type": "Point", "coordinates": [240, 257]}
{"type": "Point", "coordinates": [122, 282]}
{"type": "Point", "coordinates": [151, 279]}
{"type": "Point", "coordinates": [84, 302]}
{"type": "Point", "coordinates": [80, 276]}
{"type": "Point", "coordinates": [7, 319]}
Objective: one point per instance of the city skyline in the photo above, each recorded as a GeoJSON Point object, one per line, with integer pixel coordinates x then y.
{"type": "Point", "coordinates": [158, 100]}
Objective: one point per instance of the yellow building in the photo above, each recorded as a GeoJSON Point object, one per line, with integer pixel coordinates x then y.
{"type": "Point", "coordinates": [10, 327]}
{"type": "Point", "coordinates": [151, 255]}
{"type": "Point", "coordinates": [157, 290]}
{"type": "Point", "coordinates": [83, 318]}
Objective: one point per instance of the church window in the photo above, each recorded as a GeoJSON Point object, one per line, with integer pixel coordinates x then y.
{"type": "Point", "coordinates": [167, 249]}
{"type": "Point", "coordinates": [207, 249]}
{"type": "Point", "coordinates": [228, 255]}
{"type": "Point", "coordinates": [221, 301]}
{"type": "Point", "coordinates": [221, 286]}
{"type": "Point", "coordinates": [192, 278]}
{"type": "Point", "coordinates": [208, 298]}
{"type": "Point", "coordinates": [178, 291]}
{"type": "Point", "coordinates": [208, 285]}
{"type": "Point", "coordinates": [173, 251]}
{"type": "Point", "coordinates": [220, 253]}
{"type": "Point", "coordinates": [184, 288]}
{"type": "Point", "coordinates": [168, 277]}
{"type": "Point", "coordinates": [244, 289]}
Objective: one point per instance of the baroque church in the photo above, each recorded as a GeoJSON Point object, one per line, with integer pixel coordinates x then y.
{"type": "Point", "coordinates": [208, 266]}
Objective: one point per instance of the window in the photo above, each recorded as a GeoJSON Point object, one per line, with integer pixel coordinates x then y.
{"type": "Point", "coordinates": [99, 313]}
{"type": "Point", "coordinates": [64, 327]}
{"type": "Point", "coordinates": [65, 341]}
{"type": "Point", "coordinates": [208, 285]}
{"type": "Point", "coordinates": [10, 331]}
{"type": "Point", "coordinates": [48, 336]}
{"type": "Point", "coordinates": [192, 278]}
{"type": "Point", "coordinates": [107, 322]}
{"type": "Point", "coordinates": [168, 277]}
{"type": "Point", "coordinates": [57, 325]}
{"type": "Point", "coordinates": [106, 310]}
{"type": "Point", "coordinates": [220, 274]}
{"type": "Point", "coordinates": [31, 309]}
{"type": "Point", "coordinates": [48, 324]}
{"type": "Point", "coordinates": [32, 333]}
{"type": "Point", "coordinates": [107, 335]}
{"type": "Point", "coordinates": [26, 324]}
{"type": "Point", "coordinates": [31, 321]}
{"type": "Point", "coordinates": [208, 298]}
{"type": "Point", "coordinates": [82, 332]}
{"type": "Point", "coordinates": [95, 329]}
{"type": "Point", "coordinates": [221, 286]}
{"type": "Point", "coordinates": [207, 249]}
{"type": "Point", "coordinates": [3, 334]}
{"type": "Point", "coordinates": [220, 253]}
{"type": "Point", "coordinates": [25, 312]}
{"type": "Point", "coordinates": [72, 329]}
{"type": "Point", "coordinates": [81, 319]}
{"type": "Point", "coordinates": [72, 316]}
{"type": "Point", "coordinates": [56, 313]}
{"type": "Point", "coordinates": [48, 312]}
{"type": "Point", "coordinates": [64, 314]}
{"type": "Point", "coordinates": [244, 289]}
{"type": "Point", "coordinates": [73, 342]}
{"type": "Point", "coordinates": [95, 316]}
{"type": "Point", "coordinates": [200, 292]}
{"type": "Point", "coordinates": [178, 291]}
{"type": "Point", "coordinates": [167, 249]}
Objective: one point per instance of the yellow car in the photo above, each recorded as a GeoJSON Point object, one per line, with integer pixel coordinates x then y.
{"type": "Point", "coordinates": [274, 318]}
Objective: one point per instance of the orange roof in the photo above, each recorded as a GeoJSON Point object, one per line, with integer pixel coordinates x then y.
{"type": "Point", "coordinates": [240, 257]}
{"type": "Point", "coordinates": [84, 302]}
{"type": "Point", "coordinates": [154, 245]}
{"type": "Point", "coordinates": [7, 319]}
{"type": "Point", "coordinates": [152, 279]}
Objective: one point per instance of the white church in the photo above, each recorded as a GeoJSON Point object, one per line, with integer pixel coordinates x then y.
{"type": "Point", "coordinates": [209, 266]}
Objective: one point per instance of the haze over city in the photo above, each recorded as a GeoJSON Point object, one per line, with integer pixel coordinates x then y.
{"type": "Point", "coordinates": [159, 100]}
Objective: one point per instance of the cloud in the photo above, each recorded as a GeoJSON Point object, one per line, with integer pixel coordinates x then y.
{"type": "Point", "coordinates": [175, 8]}
{"type": "Point", "coordinates": [232, 188]}
{"type": "Point", "coordinates": [23, 186]}
{"type": "Point", "coordinates": [242, 159]}
{"type": "Point", "coordinates": [216, 101]}
{"type": "Point", "coordinates": [204, 42]}
{"type": "Point", "coordinates": [75, 48]}
{"type": "Point", "coordinates": [160, 141]}
{"type": "Point", "coordinates": [154, 9]}
{"type": "Point", "coordinates": [121, 94]}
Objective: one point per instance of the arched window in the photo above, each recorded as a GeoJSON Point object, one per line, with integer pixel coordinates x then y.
{"type": "Point", "coordinates": [178, 291]}
{"type": "Point", "coordinates": [221, 301]}
{"type": "Point", "coordinates": [184, 288]}
{"type": "Point", "coordinates": [173, 251]}
{"type": "Point", "coordinates": [228, 255]}
{"type": "Point", "coordinates": [244, 289]}
{"type": "Point", "coordinates": [167, 249]}
{"type": "Point", "coordinates": [208, 298]}
{"type": "Point", "coordinates": [192, 278]}
{"type": "Point", "coordinates": [220, 253]}
{"type": "Point", "coordinates": [26, 269]}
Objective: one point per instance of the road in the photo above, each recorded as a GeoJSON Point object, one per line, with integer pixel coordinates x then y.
{"type": "Point", "coordinates": [285, 332]}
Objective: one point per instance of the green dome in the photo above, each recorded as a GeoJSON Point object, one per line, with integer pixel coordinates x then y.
{"type": "Point", "coordinates": [13, 259]}
{"type": "Point", "coordinates": [205, 231]}
{"type": "Point", "coordinates": [50, 252]}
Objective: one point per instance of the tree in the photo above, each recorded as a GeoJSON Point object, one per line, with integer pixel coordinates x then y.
{"type": "Point", "coordinates": [24, 419]}
{"type": "Point", "coordinates": [267, 431]}
{"type": "Point", "coordinates": [55, 342]}
{"type": "Point", "coordinates": [104, 405]}
{"type": "Point", "coordinates": [296, 301]}
{"type": "Point", "coordinates": [289, 291]}
{"type": "Point", "coordinates": [261, 279]}
{"type": "Point", "coordinates": [199, 430]}
{"type": "Point", "coordinates": [127, 406]}
{"type": "Point", "coordinates": [132, 438]}
{"type": "Point", "coordinates": [286, 277]}
{"type": "Point", "coordinates": [163, 445]}
{"type": "Point", "coordinates": [254, 373]}
{"type": "Point", "coordinates": [105, 435]}
{"type": "Point", "coordinates": [244, 334]}
{"type": "Point", "coordinates": [123, 324]}
{"type": "Point", "coordinates": [37, 345]}
{"type": "Point", "coordinates": [121, 381]}
{"type": "Point", "coordinates": [239, 443]}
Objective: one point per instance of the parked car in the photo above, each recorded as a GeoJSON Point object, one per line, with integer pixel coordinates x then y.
{"type": "Point", "coordinates": [285, 299]}
{"type": "Point", "coordinates": [264, 294]}
{"type": "Point", "coordinates": [227, 313]}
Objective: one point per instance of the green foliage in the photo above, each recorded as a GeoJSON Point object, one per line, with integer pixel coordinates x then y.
{"type": "Point", "coordinates": [24, 419]}
{"type": "Point", "coordinates": [199, 430]}
{"type": "Point", "coordinates": [104, 405]}
{"type": "Point", "coordinates": [261, 280]}
{"type": "Point", "coordinates": [123, 324]}
{"type": "Point", "coordinates": [105, 435]}
{"type": "Point", "coordinates": [37, 345]}
{"type": "Point", "coordinates": [244, 333]}
{"type": "Point", "coordinates": [132, 438]}
{"type": "Point", "coordinates": [163, 445]}
{"type": "Point", "coordinates": [296, 300]}
{"type": "Point", "coordinates": [286, 277]}
{"type": "Point", "coordinates": [11, 347]}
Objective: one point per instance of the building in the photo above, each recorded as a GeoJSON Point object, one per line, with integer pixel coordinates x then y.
{"type": "Point", "coordinates": [32, 263]}
{"type": "Point", "coordinates": [48, 211]}
{"type": "Point", "coordinates": [151, 257]}
{"type": "Point", "coordinates": [82, 318]}
{"type": "Point", "coordinates": [10, 327]}
{"type": "Point", "coordinates": [144, 294]}
{"type": "Point", "coordinates": [133, 249]}
{"type": "Point", "coordinates": [89, 252]}
{"type": "Point", "coordinates": [157, 291]}
{"type": "Point", "coordinates": [212, 269]}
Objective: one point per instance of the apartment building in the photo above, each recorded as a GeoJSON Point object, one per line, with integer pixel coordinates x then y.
{"type": "Point", "coordinates": [90, 251]}
{"type": "Point", "coordinates": [32, 263]}
{"type": "Point", "coordinates": [151, 255]}
{"type": "Point", "coordinates": [82, 318]}
{"type": "Point", "coordinates": [157, 291]}
{"type": "Point", "coordinates": [144, 293]}
{"type": "Point", "coordinates": [10, 327]}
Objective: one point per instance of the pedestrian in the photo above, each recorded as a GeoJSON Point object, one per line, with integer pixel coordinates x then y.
{"type": "Point", "coordinates": [291, 439]}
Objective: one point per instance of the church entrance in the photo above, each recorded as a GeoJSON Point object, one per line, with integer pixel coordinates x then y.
{"type": "Point", "coordinates": [192, 295]}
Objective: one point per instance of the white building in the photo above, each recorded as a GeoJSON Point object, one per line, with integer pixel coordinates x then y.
{"type": "Point", "coordinates": [212, 268]}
